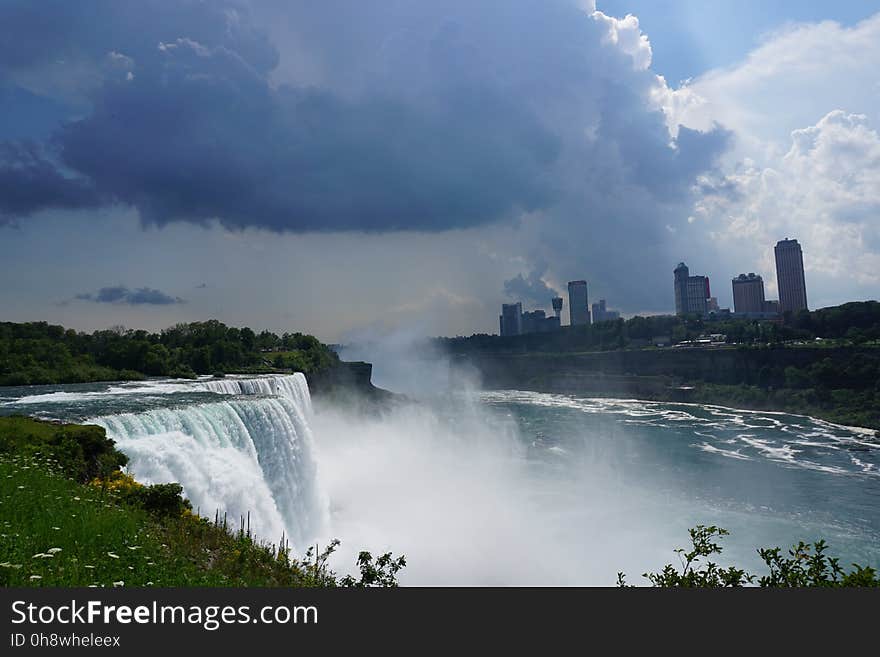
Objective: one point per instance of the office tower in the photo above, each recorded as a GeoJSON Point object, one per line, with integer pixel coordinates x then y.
{"type": "Point", "coordinates": [578, 308]}
{"type": "Point", "coordinates": [681, 276]}
{"type": "Point", "coordinates": [537, 321]}
{"type": "Point", "coordinates": [602, 314]}
{"type": "Point", "coordinates": [748, 294]}
{"type": "Point", "coordinates": [557, 306]}
{"type": "Point", "coordinates": [511, 319]}
{"type": "Point", "coordinates": [790, 276]}
{"type": "Point", "coordinates": [691, 292]}
{"type": "Point", "coordinates": [532, 322]}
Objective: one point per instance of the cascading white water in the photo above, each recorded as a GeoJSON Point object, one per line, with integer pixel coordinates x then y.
{"type": "Point", "coordinates": [293, 387]}
{"type": "Point", "coordinates": [238, 456]}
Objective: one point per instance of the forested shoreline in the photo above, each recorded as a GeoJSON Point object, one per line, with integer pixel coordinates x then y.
{"type": "Point", "coordinates": [42, 353]}
{"type": "Point", "coordinates": [824, 363]}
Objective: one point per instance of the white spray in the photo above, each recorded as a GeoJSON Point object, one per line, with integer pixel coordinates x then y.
{"type": "Point", "coordinates": [236, 456]}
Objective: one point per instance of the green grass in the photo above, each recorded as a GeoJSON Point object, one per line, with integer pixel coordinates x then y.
{"type": "Point", "coordinates": [96, 539]}
{"type": "Point", "coordinates": [81, 452]}
{"type": "Point", "coordinates": [46, 513]}
{"type": "Point", "coordinates": [70, 517]}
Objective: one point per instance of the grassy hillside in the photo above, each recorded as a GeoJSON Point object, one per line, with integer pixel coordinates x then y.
{"type": "Point", "coordinates": [70, 517]}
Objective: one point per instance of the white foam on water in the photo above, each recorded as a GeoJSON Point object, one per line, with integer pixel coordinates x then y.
{"type": "Point", "coordinates": [734, 454]}
{"type": "Point", "coordinates": [237, 456]}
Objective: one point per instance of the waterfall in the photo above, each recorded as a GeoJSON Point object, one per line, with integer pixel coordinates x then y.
{"type": "Point", "coordinates": [238, 455]}
{"type": "Point", "coordinates": [294, 387]}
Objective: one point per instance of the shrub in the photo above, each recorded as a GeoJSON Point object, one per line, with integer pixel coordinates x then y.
{"type": "Point", "coordinates": [805, 566]}
{"type": "Point", "coordinates": [83, 452]}
{"type": "Point", "coordinates": [182, 372]}
{"type": "Point", "coordinates": [162, 499]}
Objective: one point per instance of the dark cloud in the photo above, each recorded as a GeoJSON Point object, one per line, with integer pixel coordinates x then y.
{"type": "Point", "coordinates": [197, 132]}
{"type": "Point", "coordinates": [30, 181]}
{"type": "Point", "coordinates": [303, 159]}
{"type": "Point", "coordinates": [122, 295]}
{"type": "Point", "coordinates": [302, 116]}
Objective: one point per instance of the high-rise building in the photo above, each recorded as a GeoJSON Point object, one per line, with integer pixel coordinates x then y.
{"type": "Point", "coordinates": [790, 276]}
{"type": "Point", "coordinates": [681, 277]}
{"type": "Point", "coordinates": [537, 321]}
{"type": "Point", "coordinates": [691, 292]}
{"type": "Point", "coordinates": [532, 322]}
{"type": "Point", "coordinates": [511, 319]}
{"type": "Point", "coordinates": [578, 308]}
{"type": "Point", "coordinates": [557, 306]}
{"type": "Point", "coordinates": [602, 314]}
{"type": "Point", "coordinates": [748, 294]}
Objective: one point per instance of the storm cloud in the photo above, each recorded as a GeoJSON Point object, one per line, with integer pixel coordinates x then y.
{"type": "Point", "coordinates": [31, 181]}
{"type": "Point", "coordinates": [340, 116]}
{"type": "Point", "coordinates": [120, 294]}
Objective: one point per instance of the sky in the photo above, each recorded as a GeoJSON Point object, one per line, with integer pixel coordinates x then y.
{"type": "Point", "coordinates": [352, 169]}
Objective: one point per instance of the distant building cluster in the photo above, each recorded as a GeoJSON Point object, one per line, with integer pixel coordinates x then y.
{"type": "Point", "coordinates": [513, 321]}
{"type": "Point", "coordinates": [693, 296]}
{"type": "Point", "coordinates": [516, 322]}
{"type": "Point", "coordinates": [602, 314]}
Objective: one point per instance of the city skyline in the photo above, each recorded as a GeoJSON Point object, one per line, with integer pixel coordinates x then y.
{"type": "Point", "coordinates": [691, 295]}
{"type": "Point", "coordinates": [291, 166]}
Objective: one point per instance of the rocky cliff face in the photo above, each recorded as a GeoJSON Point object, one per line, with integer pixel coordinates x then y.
{"type": "Point", "coordinates": [355, 376]}
{"type": "Point", "coordinates": [651, 371]}
{"type": "Point", "coordinates": [349, 383]}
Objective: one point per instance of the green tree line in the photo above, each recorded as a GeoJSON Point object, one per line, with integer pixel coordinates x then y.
{"type": "Point", "coordinates": [856, 323]}
{"type": "Point", "coordinates": [38, 352]}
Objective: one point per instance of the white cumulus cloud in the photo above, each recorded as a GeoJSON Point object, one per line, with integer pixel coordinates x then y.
{"type": "Point", "coordinates": [803, 108]}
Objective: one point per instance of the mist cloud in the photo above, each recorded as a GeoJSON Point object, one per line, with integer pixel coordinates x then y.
{"type": "Point", "coordinates": [531, 288]}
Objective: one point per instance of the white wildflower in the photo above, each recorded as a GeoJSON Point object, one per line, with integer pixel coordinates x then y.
{"type": "Point", "coordinates": [112, 555]}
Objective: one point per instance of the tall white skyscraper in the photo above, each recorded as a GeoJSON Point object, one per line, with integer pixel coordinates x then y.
{"type": "Point", "coordinates": [578, 307]}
